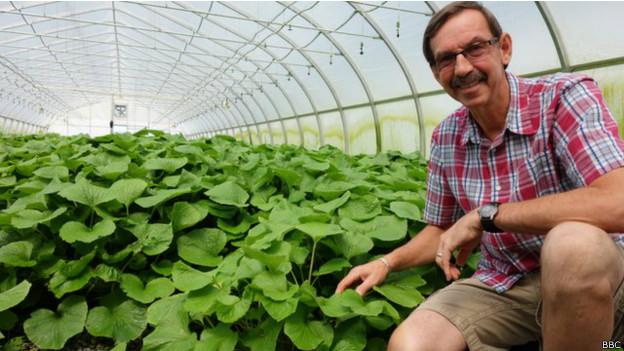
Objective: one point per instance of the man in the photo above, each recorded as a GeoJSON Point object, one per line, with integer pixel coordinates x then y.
{"type": "Point", "coordinates": [547, 150]}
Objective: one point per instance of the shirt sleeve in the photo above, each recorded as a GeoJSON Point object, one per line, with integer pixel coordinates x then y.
{"type": "Point", "coordinates": [586, 135]}
{"type": "Point", "coordinates": [441, 206]}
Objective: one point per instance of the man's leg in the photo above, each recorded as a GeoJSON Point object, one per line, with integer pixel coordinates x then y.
{"type": "Point", "coordinates": [581, 271]}
{"type": "Point", "coordinates": [470, 314]}
{"type": "Point", "coordinates": [426, 330]}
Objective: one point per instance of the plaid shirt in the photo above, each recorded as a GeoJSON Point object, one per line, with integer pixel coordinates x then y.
{"type": "Point", "coordinates": [559, 136]}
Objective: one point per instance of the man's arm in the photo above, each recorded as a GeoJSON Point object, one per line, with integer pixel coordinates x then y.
{"type": "Point", "coordinates": [600, 204]}
{"type": "Point", "coordinates": [418, 251]}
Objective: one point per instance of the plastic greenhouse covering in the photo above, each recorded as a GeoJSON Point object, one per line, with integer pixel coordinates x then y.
{"type": "Point", "coordinates": [349, 74]}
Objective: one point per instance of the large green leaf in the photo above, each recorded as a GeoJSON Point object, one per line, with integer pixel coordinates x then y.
{"type": "Point", "coordinates": [53, 187]}
{"type": "Point", "coordinates": [169, 308]}
{"type": "Point", "coordinates": [188, 149]}
{"type": "Point", "coordinates": [353, 244]}
{"type": "Point", "coordinates": [289, 176]}
{"type": "Point", "coordinates": [204, 300]}
{"type": "Point", "coordinates": [169, 165]}
{"type": "Point", "coordinates": [331, 266]}
{"type": "Point", "coordinates": [235, 311]}
{"type": "Point", "coordinates": [153, 238]}
{"type": "Point", "coordinates": [160, 196]}
{"type": "Point", "coordinates": [117, 318]}
{"type": "Point", "coordinates": [29, 218]}
{"type": "Point", "coordinates": [406, 210]}
{"type": "Point", "coordinates": [403, 292]}
{"type": "Point", "coordinates": [385, 228]}
{"type": "Point", "coordinates": [202, 246]}
{"type": "Point", "coordinates": [186, 278]}
{"type": "Point", "coordinates": [112, 170]}
{"type": "Point", "coordinates": [349, 303]}
{"type": "Point", "coordinates": [330, 190]}
{"type": "Point", "coordinates": [155, 289]}
{"type": "Point", "coordinates": [331, 206]}
{"type": "Point", "coordinates": [168, 336]}
{"type": "Point", "coordinates": [50, 330]}
{"type": "Point", "coordinates": [264, 337]}
{"type": "Point", "coordinates": [278, 310]}
{"type": "Point", "coordinates": [60, 284]}
{"type": "Point", "coordinates": [108, 273]}
{"type": "Point", "coordinates": [318, 230]}
{"type": "Point", "coordinates": [15, 295]}
{"type": "Point", "coordinates": [52, 172]}
{"type": "Point", "coordinates": [239, 226]}
{"type": "Point", "coordinates": [361, 208]}
{"type": "Point", "coordinates": [220, 338]}
{"type": "Point", "coordinates": [76, 231]}
{"type": "Point", "coordinates": [274, 285]}
{"type": "Point", "coordinates": [350, 336]}
{"type": "Point", "coordinates": [307, 334]}
{"type": "Point", "coordinates": [128, 190]}
{"type": "Point", "coordinates": [18, 254]}
{"type": "Point", "coordinates": [228, 193]}
{"type": "Point", "coordinates": [86, 193]}
{"type": "Point", "coordinates": [6, 182]}
{"type": "Point", "coordinates": [276, 257]}
{"type": "Point", "coordinates": [186, 215]}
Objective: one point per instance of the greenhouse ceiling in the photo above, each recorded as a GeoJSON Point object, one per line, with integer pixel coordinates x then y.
{"type": "Point", "coordinates": [263, 71]}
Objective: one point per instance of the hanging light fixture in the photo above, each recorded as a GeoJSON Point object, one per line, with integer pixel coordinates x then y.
{"type": "Point", "coordinates": [226, 104]}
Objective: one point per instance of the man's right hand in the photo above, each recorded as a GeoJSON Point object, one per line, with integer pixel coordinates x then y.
{"type": "Point", "coordinates": [370, 274]}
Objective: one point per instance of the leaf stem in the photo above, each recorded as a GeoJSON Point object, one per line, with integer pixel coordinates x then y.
{"type": "Point", "coordinates": [40, 232]}
{"type": "Point", "coordinates": [126, 264]}
{"type": "Point", "coordinates": [294, 277]}
{"type": "Point", "coordinates": [312, 261]}
{"type": "Point", "coordinates": [92, 216]}
{"type": "Point", "coordinates": [209, 322]}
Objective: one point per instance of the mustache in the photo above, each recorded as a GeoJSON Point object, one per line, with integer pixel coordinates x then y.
{"type": "Point", "coordinates": [473, 76]}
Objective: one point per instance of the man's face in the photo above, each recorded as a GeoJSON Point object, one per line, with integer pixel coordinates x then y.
{"type": "Point", "coordinates": [473, 80]}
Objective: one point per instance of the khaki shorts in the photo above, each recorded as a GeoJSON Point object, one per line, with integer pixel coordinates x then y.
{"type": "Point", "coordinates": [492, 321]}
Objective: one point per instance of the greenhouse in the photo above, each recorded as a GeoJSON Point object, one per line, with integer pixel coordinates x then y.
{"type": "Point", "coordinates": [201, 175]}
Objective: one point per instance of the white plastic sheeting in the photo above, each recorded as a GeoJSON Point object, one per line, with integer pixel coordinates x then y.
{"type": "Point", "coordinates": [349, 74]}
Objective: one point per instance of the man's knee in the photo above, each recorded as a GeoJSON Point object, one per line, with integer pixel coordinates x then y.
{"type": "Point", "coordinates": [426, 330]}
{"type": "Point", "coordinates": [578, 255]}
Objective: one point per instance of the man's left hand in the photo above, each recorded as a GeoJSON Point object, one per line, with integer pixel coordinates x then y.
{"type": "Point", "coordinates": [464, 235]}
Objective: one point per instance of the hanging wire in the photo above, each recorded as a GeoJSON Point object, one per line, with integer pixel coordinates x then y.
{"type": "Point", "coordinates": [398, 23]}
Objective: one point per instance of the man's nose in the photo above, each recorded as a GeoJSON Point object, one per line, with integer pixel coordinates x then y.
{"type": "Point", "coordinates": [463, 66]}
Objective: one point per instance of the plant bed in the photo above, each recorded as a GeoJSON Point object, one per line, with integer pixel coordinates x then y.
{"type": "Point", "coordinates": [169, 244]}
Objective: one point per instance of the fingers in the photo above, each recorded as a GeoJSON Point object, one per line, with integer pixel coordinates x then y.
{"type": "Point", "coordinates": [455, 272]}
{"type": "Point", "coordinates": [370, 274]}
{"type": "Point", "coordinates": [445, 261]}
{"type": "Point", "coordinates": [349, 279]}
{"type": "Point", "coordinates": [365, 286]}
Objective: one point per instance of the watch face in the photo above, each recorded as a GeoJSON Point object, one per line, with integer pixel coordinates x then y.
{"type": "Point", "coordinates": [488, 210]}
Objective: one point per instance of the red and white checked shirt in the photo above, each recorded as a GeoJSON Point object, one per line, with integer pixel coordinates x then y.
{"type": "Point", "coordinates": [559, 136]}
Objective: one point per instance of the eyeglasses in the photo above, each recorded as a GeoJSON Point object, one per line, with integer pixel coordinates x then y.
{"type": "Point", "coordinates": [473, 53]}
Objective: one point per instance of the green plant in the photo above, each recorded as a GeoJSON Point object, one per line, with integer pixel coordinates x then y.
{"type": "Point", "coordinates": [197, 245]}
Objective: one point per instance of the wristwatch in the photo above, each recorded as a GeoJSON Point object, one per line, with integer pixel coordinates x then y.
{"type": "Point", "coordinates": [487, 213]}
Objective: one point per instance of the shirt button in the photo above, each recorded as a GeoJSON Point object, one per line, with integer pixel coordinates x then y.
{"type": "Point", "coordinates": [493, 150]}
{"type": "Point", "coordinates": [498, 187]}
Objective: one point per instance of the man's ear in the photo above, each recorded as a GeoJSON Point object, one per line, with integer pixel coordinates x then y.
{"type": "Point", "coordinates": [505, 48]}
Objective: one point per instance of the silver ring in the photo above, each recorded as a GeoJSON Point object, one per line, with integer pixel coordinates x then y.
{"type": "Point", "coordinates": [439, 254]}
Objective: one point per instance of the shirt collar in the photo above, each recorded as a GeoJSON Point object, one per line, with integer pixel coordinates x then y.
{"type": "Point", "coordinates": [518, 120]}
